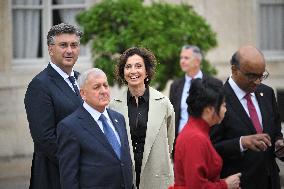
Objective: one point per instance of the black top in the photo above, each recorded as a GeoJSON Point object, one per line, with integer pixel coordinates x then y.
{"type": "Point", "coordinates": [138, 118]}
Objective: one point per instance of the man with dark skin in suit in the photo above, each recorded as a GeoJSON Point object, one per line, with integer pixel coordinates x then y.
{"type": "Point", "coordinates": [250, 134]}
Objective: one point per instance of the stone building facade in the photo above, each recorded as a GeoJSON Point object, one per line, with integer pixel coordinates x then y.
{"type": "Point", "coordinates": [236, 22]}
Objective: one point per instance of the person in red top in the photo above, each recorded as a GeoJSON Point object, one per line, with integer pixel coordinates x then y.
{"type": "Point", "coordinates": [197, 165]}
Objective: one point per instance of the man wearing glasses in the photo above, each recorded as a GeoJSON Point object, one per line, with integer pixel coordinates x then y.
{"type": "Point", "coordinates": [249, 138]}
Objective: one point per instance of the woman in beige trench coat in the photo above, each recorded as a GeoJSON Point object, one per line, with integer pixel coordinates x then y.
{"type": "Point", "coordinates": [149, 118]}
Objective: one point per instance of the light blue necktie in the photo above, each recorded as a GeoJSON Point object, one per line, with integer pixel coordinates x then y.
{"type": "Point", "coordinates": [110, 135]}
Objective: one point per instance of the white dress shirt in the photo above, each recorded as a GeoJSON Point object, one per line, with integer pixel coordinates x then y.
{"type": "Point", "coordinates": [96, 115]}
{"type": "Point", "coordinates": [64, 75]}
{"type": "Point", "coordinates": [183, 105]}
{"type": "Point", "coordinates": [241, 96]}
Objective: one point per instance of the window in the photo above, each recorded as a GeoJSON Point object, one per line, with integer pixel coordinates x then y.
{"type": "Point", "coordinates": [32, 19]}
{"type": "Point", "coordinates": [271, 26]}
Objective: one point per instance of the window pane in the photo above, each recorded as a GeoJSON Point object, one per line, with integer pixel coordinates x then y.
{"type": "Point", "coordinates": [26, 2]}
{"type": "Point", "coordinates": [58, 2]}
{"type": "Point", "coordinates": [67, 16]}
{"type": "Point", "coordinates": [272, 26]}
{"type": "Point", "coordinates": [27, 33]}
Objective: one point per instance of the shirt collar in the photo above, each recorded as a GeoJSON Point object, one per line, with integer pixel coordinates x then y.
{"type": "Point", "coordinates": [94, 113]}
{"type": "Point", "coordinates": [62, 73]}
{"type": "Point", "coordinates": [198, 75]}
{"type": "Point", "coordinates": [145, 96]}
{"type": "Point", "coordinates": [238, 91]}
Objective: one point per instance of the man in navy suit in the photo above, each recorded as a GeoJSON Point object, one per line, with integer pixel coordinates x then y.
{"type": "Point", "coordinates": [93, 148]}
{"type": "Point", "coordinates": [50, 97]}
{"type": "Point", "coordinates": [250, 133]}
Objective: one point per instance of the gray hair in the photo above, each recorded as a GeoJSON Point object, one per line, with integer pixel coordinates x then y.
{"type": "Point", "coordinates": [84, 76]}
{"type": "Point", "coordinates": [196, 51]}
{"type": "Point", "coordinates": [62, 28]}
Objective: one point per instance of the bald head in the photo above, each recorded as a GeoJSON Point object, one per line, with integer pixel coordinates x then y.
{"type": "Point", "coordinates": [250, 55]}
{"type": "Point", "coordinates": [248, 67]}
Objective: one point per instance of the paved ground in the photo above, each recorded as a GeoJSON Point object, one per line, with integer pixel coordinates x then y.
{"type": "Point", "coordinates": [15, 173]}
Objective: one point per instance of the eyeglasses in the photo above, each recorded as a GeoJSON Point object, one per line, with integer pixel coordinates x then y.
{"type": "Point", "coordinates": [253, 77]}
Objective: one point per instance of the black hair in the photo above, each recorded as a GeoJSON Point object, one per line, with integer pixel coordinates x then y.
{"type": "Point", "coordinates": [203, 93]}
{"type": "Point", "coordinates": [235, 60]}
{"type": "Point", "coordinates": [62, 29]}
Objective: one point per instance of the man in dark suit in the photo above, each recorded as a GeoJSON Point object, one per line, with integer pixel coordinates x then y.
{"type": "Point", "coordinates": [94, 151]}
{"type": "Point", "coordinates": [50, 97]}
{"type": "Point", "coordinates": [190, 62]}
{"type": "Point", "coordinates": [251, 131]}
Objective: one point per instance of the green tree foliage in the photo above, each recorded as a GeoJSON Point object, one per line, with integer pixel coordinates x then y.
{"type": "Point", "coordinates": [113, 26]}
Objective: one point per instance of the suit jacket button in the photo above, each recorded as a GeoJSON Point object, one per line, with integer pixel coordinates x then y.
{"type": "Point", "coordinates": [122, 164]}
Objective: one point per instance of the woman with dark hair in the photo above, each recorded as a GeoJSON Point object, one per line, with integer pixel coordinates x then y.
{"type": "Point", "coordinates": [150, 119]}
{"type": "Point", "coordinates": [197, 165]}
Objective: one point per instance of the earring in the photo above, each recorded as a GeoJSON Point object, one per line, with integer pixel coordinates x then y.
{"type": "Point", "coordinates": [147, 79]}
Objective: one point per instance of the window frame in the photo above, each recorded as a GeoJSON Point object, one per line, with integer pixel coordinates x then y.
{"type": "Point", "coordinates": [270, 55]}
{"type": "Point", "coordinates": [46, 9]}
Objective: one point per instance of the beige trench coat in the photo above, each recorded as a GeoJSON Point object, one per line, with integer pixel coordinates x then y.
{"type": "Point", "coordinates": [157, 168]}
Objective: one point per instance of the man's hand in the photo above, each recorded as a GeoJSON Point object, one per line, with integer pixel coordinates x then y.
{"type": "Point", "coordinates": [279, 148]}
{"type": "Point", "coordinates": [256, 142]}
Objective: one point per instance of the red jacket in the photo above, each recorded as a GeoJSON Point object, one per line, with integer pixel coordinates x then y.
{"type": "Point", "coordinates": [197, 165]}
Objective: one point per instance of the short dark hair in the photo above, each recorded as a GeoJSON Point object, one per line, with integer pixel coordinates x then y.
{"type": "Point", "coordinates": [235, 60]}
{"type": "Point", "coordinates": [203, 93]}
{"type": "Point", "coordinates": [62, 29]}
{"type": "Point", "coordinates": [149, 58]}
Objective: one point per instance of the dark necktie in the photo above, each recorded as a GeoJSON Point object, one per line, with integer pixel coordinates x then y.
{"type": "Point", "coordinates": [110, 135]}
{"type": "Point", "coordinates": [72, 80]}
{"type": "Point", "coordinates": [253, 114]}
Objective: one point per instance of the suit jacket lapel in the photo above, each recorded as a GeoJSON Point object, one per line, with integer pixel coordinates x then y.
{"type": "Point", "coordinates": [92, 127]}
{"type": "Point", "coordinates": [121, 105]}
{"type": "Point", "coordinates": [179, 91]}
{"type": "Point", "coordinates": [116, 126]}
{"type": "Point", "coordinates": [154, 123]}
{"type": "Point", "coordinates": [264, 113]}
{"type": "Point", "coordinates": [233, 101]}
{"type": "Point", "coordinates": [63, 86]}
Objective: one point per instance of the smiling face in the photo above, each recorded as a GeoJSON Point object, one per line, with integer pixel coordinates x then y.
{"type": "Point", "coordinates": [95, 91]}
{"type": "Point", "coordinates": [135, 71]}
{"type": "Point", "coordinates": [64, 52]}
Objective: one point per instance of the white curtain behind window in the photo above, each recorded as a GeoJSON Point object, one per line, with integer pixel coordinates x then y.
{"type": "Point", "coordinates": [68, 16]}
{"type": "Point", "coordinates": [272, 26]}
{"type": "Point", "coordinates": [26, 23]}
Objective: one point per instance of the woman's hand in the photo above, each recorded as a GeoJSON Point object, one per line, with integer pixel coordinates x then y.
{"type": "Point", "coordinates": [233, 181]}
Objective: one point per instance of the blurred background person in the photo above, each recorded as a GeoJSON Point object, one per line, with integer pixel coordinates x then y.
{"type": "Point", "coordinates": [190, 62]}
{"type": "Point", "coordinates": [251, 131]}
{"type": "Point", "coordinates": [149, 119]}
{"type": "Point", "coordinates": [197, 164]}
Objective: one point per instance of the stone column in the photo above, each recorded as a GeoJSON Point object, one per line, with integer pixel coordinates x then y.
{"type": "Point", "coordinates": [5, 36]}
